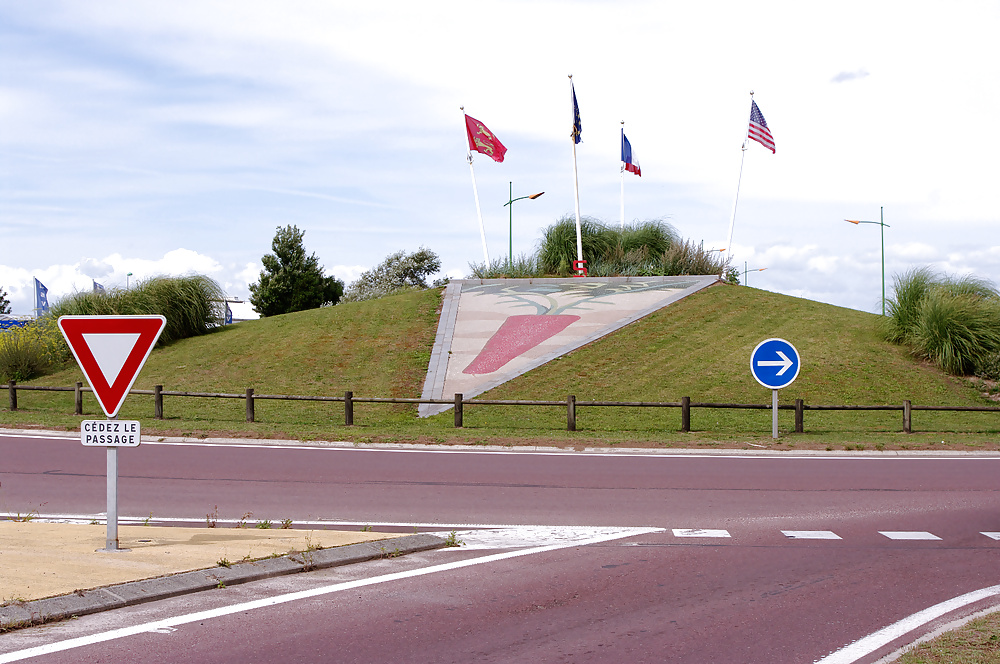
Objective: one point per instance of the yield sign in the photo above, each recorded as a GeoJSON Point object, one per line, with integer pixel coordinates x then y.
{"type": "Point", "coordinates": [111, 350]}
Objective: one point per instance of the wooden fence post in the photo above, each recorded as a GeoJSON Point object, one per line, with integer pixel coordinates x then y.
{"type": "Point", "coordinates": [12, 390]}
{"type": "Point", "coordinates": [157, 402]}
{"type": "Point", "coordinates": [250, 413]}
{"type": "Point", "coordinates": [685, 414]}
{"type": "Point", "coordinates": [78, 398]}
{"type": "Point", "coordinates": [800, 412]}
{"type": "Point", "coordinates": [571, 413]}
{"type": "Point", "coordinates": [458, 411]}
{"type": "Point", "coordinates": [907, 421]}
{"type": "Point", "coordinates": [348, 408]}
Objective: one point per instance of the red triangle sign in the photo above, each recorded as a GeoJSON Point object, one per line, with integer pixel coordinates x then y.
{"type": "Point", "coordinates": [111, 350]}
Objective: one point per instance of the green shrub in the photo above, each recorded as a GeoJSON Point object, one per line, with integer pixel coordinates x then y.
{"type": "Point", "coordinates": [28, 352]}
{"type": "Point", "coordinates": [957, 332]}
{"type": "Point", "coordinates": [955, 323]}
{"type": "Point", "coordinates": [191, 305]}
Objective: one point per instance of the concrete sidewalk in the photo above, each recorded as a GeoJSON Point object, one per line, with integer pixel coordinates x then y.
{"type": "Point", "coordinates": [50, 571]}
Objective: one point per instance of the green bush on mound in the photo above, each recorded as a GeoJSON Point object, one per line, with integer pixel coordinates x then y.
{"type": "Point", "coordinates": [192, 305]}
{"type": "Point", "coordinates": [642, 249]}
{"type": "Point", "coordinates": [29, 351]}
{"type": "Point", "coordinates": [954, 323]}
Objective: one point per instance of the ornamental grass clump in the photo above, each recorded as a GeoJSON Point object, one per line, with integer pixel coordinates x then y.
{"type": "Point", "coordinates": [192, 305]}
{"type": "Point", "coordinates": [954, 323]}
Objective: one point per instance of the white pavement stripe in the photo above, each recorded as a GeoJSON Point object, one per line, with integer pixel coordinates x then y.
{"type": "Point", "coordinates": [168, 623]}
{"type": "Point", "coordinates": [523, 536]}
{"type": "Point", "coordinates": [811, 534]}
{"type": "Point", "coordinates": [700, 532]}
{"type": "Point", "coordinates": [908, 535]}
{"type": "Point", "coordinates": [995, 536]}
{"type": "Point", "coordinates": [869, 644]}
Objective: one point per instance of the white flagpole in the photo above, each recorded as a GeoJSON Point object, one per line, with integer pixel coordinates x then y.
{"type": "Point", "coordinates": [623, 178]}
{"type": "Point", "coordinates": [732, 219]}
{"type": "Point", "coordinates": [576, 180]}
{"type": "Point", "coordinates": [475, 192]}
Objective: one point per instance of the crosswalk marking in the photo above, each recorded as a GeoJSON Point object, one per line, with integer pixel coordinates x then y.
{"type": "Point", "coordinates": [700, 532]}
{"type": "Point", "coordinates": [811, 534]}
{"type": "Point", "coordinates": [908, 535]}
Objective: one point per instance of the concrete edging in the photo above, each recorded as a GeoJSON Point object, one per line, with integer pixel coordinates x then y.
{"type": "Point", "coordinates": [83, 602]}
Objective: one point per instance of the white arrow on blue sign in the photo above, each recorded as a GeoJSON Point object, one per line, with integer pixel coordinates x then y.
{"type": "Point", "coordinates": [774, 363]}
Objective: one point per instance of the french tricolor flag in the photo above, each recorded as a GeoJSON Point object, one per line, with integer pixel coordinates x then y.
{"type": "Point", "coordinates": [628, 157]}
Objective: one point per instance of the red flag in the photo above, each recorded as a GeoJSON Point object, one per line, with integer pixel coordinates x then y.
{"type": "Point", "coordinates": [482, 139]}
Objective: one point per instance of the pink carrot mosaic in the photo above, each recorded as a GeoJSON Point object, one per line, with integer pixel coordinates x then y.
{"type": "Point", "coordinates": [493, 330]}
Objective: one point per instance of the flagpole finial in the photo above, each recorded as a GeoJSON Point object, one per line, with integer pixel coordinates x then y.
{"type": "Point", "coordinates": [571, 75]}
{"type": "Point", "coordinates": [751, 93]}
{"type": "Point", "coordinates": [462, 108]}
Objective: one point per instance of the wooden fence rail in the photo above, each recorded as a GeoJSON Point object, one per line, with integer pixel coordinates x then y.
{"type": "Point", "coordinates": [571, 404]}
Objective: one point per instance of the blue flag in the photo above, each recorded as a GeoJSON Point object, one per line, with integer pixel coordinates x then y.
{"type": "Point", "coordinates": [98, 288]}
{"type": "Point", "coordinates": [41, 298]}
{"type": "Point", "coordinates": [229, 315]}
{"type": "Point", "coordinates": [577, 125]}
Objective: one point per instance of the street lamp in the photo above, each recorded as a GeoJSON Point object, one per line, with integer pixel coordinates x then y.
{"type": "Point", "coordinates": [510, 209]}
{"type": "Point", "coordinates": [882, 225]}
{"type": "Point", "coordinates": [745, 270]}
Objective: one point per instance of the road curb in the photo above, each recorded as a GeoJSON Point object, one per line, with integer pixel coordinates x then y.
{"type": "Point", "coordinates": [83, 602]}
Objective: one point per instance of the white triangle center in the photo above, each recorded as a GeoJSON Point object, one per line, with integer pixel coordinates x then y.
{"type": "Point", "coordinates": [110, 351]}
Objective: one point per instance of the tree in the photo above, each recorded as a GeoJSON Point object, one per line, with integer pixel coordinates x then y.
{"type": "Point", "coordinates": [399, 271]}
{"type": "Point", "coordinates": [4, 302]}
{"type": "Point", "coordinates": [291, 280]}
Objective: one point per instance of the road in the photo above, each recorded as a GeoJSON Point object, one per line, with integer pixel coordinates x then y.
{"type": "Point", "coordinates": [569, 557]}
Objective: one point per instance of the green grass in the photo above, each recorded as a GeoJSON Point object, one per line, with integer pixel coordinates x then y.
{"type": "Point", "coordinates": [976, 642]}
{"type": "Point", "coordinates": [698, 347]}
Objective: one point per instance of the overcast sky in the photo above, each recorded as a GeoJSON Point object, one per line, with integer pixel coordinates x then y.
{"type": "Point", "coordinates": [174, 137]}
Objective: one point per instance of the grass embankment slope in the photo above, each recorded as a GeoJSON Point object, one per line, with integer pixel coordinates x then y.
{"type": "Point", "coordinates": [698, 347]}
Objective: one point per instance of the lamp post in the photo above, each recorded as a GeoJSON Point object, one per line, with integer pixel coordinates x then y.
{"type": "Point", "coordinates": [126, 280]}
{"type": "Point", "coordinates": [510, 209]}
{"type": "Point", "coordinates": [745, 270]}
{"type": "Point", "coordinates": [881, 223]}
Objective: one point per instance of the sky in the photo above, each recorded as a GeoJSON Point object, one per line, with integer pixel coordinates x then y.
{"type": "Point", "coordinates": [174, 138]}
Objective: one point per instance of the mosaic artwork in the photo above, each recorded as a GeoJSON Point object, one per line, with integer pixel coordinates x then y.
{"type": "Point", "coordinates": [493, 330]}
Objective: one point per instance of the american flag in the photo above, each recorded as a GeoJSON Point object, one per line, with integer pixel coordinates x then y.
{"type": "Point", "coordinates": [758, 128]}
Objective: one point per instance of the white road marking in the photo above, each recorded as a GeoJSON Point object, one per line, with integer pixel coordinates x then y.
{"type": "Point", "coordinates": [811, 534]}
{"type": "Point", "coordinates": [869, 644]}
{"type": "Point", "coordinates": [522, 536]}
{"type": "Point", "coordinates": [908, 535]}
{"type": "Point", "coordinates": [168, 623]}
{"type": "Point", "coordinates": [995, 536]}
{"type": "Point", "coordinates": [700, 532]}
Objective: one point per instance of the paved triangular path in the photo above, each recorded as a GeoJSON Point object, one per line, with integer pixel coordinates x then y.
{"type": "Point", "coordinates": [493, 330]}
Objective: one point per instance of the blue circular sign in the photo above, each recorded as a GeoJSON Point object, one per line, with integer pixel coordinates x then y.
{"type": "Point", "coordinates": [774, 363]}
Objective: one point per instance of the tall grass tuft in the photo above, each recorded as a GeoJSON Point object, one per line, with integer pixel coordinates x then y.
{"type": "Point", "coordinates": [903, 308]}
{"type": "Point", "coordinates": [522, 267]}
{"type": "Point", "coordinates": [955, 323]}
{"type": "Point", "coordinates": [557, 250]}
{"type": "Point", "coordinates": [190, 304]}
{"type": "Point", "coordinates": [642, 249]}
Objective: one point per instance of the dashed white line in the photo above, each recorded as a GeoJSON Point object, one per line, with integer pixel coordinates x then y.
{"type": "Point", "coordinates": [700, 532]}
{"type": "Point", "coordinates": [811, 534]}
{"type": "Point", "coordinates": [908, 535]}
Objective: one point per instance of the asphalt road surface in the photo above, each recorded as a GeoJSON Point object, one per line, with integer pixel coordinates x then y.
{"type": "Point", "coordinates": [567, 557]}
